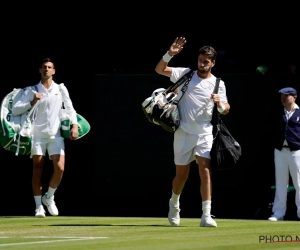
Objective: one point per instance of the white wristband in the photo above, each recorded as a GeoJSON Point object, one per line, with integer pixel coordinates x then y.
{"type": "Point", "coordinates": [222, 109]}
{"type": "Point", "coordinates": [167, 57]}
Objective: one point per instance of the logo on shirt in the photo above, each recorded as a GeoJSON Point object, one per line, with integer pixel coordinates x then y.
{"type": "Point", "coordinates": [297, 118]}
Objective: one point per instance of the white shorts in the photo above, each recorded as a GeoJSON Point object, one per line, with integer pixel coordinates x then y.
{"type": "Point", "coordinates": [186, 146]}
{"type": "Point", "coordinates": [54, 146]}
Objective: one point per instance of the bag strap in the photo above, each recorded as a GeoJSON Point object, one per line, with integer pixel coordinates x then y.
{"type": "Point", "coordinates": [216, 90]}
{"type": "Point", "coordinates": [185, 86]}
{"type": "Point", "coordinates": [33, 109]}
{"type": "Point", "coordinates": [35, 88]}
{"type": "Point", "coordinates": [186, 77]}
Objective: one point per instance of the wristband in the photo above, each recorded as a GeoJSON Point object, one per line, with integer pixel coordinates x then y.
{"type": "Point", "coordinates": [167, 57]}
{"type": "Point", "coordinates": [222, 109]}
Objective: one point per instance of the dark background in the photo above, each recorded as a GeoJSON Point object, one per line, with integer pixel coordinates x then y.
{"type": "Point", "coordinates": [124, 166]}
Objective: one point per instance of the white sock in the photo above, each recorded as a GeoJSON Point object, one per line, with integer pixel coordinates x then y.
{"type": "Point", "coordinates": [175, 199]}
{"type": "Point", "coordinates": [206, 207]}
{"type": "Point", "coordinates": [50, 192]}
{"type": "Point", "coordinates": [38, 200]}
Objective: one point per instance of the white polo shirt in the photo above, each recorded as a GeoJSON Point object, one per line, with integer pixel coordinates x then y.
{"type": "Point", "coordinates": [196, 105]}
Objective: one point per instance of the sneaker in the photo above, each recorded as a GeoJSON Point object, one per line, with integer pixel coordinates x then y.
{"type": "Point", "coordinates": [173, 215]}
{"type": "Point", "coordinates": [275, 218]}
{"type": "Point", "coordinates": [49, 202]}
{"type": "Point", "coordinates": [40, 212]}
{"type": "Point", "coordinates": [207, 221]}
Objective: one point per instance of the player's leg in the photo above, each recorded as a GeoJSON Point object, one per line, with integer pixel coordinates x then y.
{"type": "Point", "coordinates": [183, 155]}
{"type": "Point", "coordinates": [56, 153]}
{"type": "Point", "coordinates": [202, 152]}
{"type": "Point", "coordinates": [37, 154]}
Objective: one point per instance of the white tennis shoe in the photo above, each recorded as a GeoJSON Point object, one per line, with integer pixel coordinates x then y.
{"type": "Point", "coordinates": [40, 212]}
{"type": "Point", "coordinates": [173, 215]}
{"type": "Point", "coordinates": [49, 202]}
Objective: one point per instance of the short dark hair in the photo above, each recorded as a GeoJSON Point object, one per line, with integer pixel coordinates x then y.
{"type": "Point", "coordinates": [47, 59]}
{"type": "Point", "coordinates": [208, 51]}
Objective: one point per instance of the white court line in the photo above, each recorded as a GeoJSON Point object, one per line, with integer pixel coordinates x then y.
{"type": "Point", "coordinates": [48, 241]}
{"type": "Point", "coordinates": [52, 237]}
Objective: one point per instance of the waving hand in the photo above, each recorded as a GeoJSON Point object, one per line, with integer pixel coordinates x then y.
{"type": "Point", "coordinates": [177, 46]}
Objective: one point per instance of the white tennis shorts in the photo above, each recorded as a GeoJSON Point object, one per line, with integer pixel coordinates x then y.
{"type": "Point", "coordinates": [54, 146]}
{"type": "Point", "coordinates": [187, 146]}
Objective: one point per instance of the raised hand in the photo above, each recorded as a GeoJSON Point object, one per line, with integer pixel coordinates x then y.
{"type": "Point", "coordinates": [177, 46]}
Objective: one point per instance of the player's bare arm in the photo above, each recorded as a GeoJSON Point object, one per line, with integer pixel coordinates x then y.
{"type": "Point", "coordinates": [162, 67]}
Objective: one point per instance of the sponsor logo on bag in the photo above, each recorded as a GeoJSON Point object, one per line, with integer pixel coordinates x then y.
{"type": "Point", "coordinates": [65, 123]}
{"type": "Point", "coordinates": [24, 143]}
{"type": "Point", "coordinates": [9, 106]}
{"type": "Point", "coordinates": [184, 87]}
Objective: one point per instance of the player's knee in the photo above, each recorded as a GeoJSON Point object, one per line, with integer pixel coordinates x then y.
{"type": "Point", "coordinates": [182, 176]}
{"type": "Point", "coordinates": [59, 167]}
{"type": "Point", "coordinates": [38, 162]}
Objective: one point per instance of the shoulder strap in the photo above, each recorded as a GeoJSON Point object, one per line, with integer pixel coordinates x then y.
{"type": "Point", "coordinates": [186, 77]}
{"type": "Point", "coordinates": [35, 88]}
{"type": "Point", "coordinates": [216, 90]}
{"type": "Point", "coordinates": [185, 86]}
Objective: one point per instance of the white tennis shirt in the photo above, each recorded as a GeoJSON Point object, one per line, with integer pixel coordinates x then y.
{"type": "Point", "coordinates": [196, 105]}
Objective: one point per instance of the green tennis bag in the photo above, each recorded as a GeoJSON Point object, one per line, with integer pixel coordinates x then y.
{"type": "Point", "coordinates": [15, 130]}
{"type": "Point", "coordinates": [66, 126]}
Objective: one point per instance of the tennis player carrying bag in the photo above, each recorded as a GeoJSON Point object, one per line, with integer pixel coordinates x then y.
{"type": "Point", "coordinates": [161, 108]}
{"type": "Point", "coordinates": [226, 151]}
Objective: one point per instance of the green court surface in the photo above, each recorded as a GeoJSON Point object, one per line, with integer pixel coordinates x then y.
{"type": "Point", "coordinates": [144, 234]}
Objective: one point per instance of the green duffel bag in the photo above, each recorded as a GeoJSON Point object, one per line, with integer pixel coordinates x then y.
{"type": "Point", "coordinates": [66, 125]}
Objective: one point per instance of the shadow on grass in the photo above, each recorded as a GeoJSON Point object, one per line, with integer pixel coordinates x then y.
{"type": "Point", "coordinates": [106, 225]}
{"type": "Point", "coordinates": [102, 225]}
